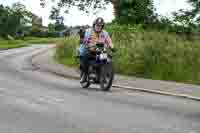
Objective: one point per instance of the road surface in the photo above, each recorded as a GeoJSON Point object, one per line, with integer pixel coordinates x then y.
{"type": "Point", "coordinates": [35, 101]}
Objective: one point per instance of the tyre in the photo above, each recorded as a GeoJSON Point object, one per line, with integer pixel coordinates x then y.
{"type": "Point", "coordinates": [85, 84]}
{"type": "Point", "coordinates": [106, 77]}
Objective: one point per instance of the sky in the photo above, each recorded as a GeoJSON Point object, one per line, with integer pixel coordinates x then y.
{"type": "Point", "coordinates": [76, 17]}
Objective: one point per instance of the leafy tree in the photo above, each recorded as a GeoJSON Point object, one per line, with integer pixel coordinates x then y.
{"type": "Point", "coordinates": [188, 20]}
{"type": "Point", "coordinates": [51, 27]}
{"type": "Point", "coordinates": [55, 14]}
{"type": "Point", "coordinates": [189, 17]}
{"type": "Point", "coordinates": [36, 29]}
{"type": "Point", "coordinates": [4, 15]}
{"type": "Point", "coordinates": [59, 26]}
{"type": "Point", "coordinates": [59, 20]}
{"type": "Point", "coordinates": [14, 19]}
{"type": "Point", "coordinates": [136, 11]}
{"type": "Point", "coordinates": [195, 12]}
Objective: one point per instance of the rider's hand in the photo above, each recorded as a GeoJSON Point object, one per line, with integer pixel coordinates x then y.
{"type": "Point", "coordinates": [111, 46]}
{"type": "Point", "coordinates": [113, 49]}
{"type": "Point", "coordinates": [99, 42]}
{"type": "Point", "coordinates": [92, 49]}
{"type": "Point", "coordinates": [88, 46]}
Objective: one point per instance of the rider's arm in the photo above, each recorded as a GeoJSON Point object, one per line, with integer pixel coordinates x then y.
{"type": "Point", "coordinates": [109, 41]}
{"type": "Point", "coordinates": [86, 39]}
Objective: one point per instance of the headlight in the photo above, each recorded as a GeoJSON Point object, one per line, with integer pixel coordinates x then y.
{"type": "Point", "coordinates": [103, 56]}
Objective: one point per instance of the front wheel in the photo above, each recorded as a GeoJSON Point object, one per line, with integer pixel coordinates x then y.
{"type": "Point", "coordinates": [85, 84]}
{"type": "Point", "coordinates": [106, 77]}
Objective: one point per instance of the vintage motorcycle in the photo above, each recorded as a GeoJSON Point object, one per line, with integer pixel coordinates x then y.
{"type": "Point", "coordinates": [100, 68]}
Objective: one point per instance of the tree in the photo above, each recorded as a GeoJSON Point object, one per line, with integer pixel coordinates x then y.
{"type": "Point", "coordinates": [135, 11]}
{"type": "Point", "coordinates": [195, 12]}
{"type": "Point", "coordinates": [189, 17]}
{"type": "Point", "coordinates": [5, 11]}
{"type": "Point", "coordinates": [189, 20]}
{"type": "Point", "coordinates": [59, 20]}
{"type": "Point", "coordinates": [51, 27]}
{"type": "Point", "coordinates": [13, 20]}
{"type": "Point", "coordinates": [55, 14]}
{"type": "Point", "coordinates": [59, 25]}
{"type": "Point", "coordinates": [139, 11]}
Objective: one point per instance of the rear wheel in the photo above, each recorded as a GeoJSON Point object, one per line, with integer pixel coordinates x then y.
{"type": "Point", "coordinates": [106, 77]}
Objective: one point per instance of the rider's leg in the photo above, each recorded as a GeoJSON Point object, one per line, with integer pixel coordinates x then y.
{"type": "Point", "coordinates": [84, 62]}
{"type": "Point", "coordinates": [83, 57]}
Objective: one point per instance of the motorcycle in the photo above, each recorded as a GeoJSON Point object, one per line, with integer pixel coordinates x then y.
{"type": "Point", "coordinates": [100, 68]}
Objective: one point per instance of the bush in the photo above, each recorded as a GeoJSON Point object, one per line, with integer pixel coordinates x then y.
{"type": "Point", "coordinates": [66, 49]}
{"type": "Point", "coordinates": [149, 54]}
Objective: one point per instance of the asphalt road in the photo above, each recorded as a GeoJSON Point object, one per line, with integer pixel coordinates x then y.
{"type": "Point", "coordinates": [35, 101]}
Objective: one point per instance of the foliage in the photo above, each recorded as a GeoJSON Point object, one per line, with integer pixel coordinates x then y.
{"type": "Point", "coordinates": [14, 19]}
{"type": "Point", "coordinates": [195, 12]}
{"type": "Point", "coordinates": [51, 27]}
{"type": "Point", "coordinates": [149, 54]}
{"type": "Point", "coordinates": [136, 12]}
{"type": "Point", "coordinates": [126, 11]}
{"type": "Point", "coordinates": [59, 20]}
{"type": "Point", "coordinates": [35, 29]}
{"type": "Point", "coordinates": [189, 19]}
{"type": "Point", "coordinates": [65, 51]}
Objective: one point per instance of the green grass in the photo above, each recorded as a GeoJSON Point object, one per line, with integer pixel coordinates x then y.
{"type": "Point", "coordinates": [35, 40]}
{"type": "Point", "coordinates": [148, 54]}
{"type": "Point", "coordinates": [8, 44]}
{"type": "Point", "coordinates": [12, 46]}
{"type": "Point", "coordinates": [65, 51]}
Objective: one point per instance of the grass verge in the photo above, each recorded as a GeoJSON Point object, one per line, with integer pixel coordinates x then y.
{"type": "Point", "coordinates": [147, 54]}
{"type": "Point", "coordinates": [8, 44]}
{"type": "Point", "coordinates": [36, 40]}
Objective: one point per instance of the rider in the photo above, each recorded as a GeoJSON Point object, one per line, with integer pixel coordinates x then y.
{"type": "Point", "coordinates": [93, 36]}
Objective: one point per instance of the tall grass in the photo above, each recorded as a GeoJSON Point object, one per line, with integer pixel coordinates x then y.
{"type": "Point", "coordinates": [148, 54]}
{"type": "Point", "coordinates": [66, 49]}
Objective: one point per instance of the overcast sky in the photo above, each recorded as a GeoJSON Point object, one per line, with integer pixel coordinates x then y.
{"type": "Point", "coordinates": [75, 17]}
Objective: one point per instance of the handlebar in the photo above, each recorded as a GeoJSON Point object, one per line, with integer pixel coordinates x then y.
{"type": "Point", "coordinates": [100, 45]}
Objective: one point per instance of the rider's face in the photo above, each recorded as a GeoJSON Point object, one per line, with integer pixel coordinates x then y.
{"type": "Point", "coordinates": [98, 28]}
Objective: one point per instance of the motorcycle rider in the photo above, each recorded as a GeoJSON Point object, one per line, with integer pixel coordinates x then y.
{"type": "Point", "coordinates": [92, 36]}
